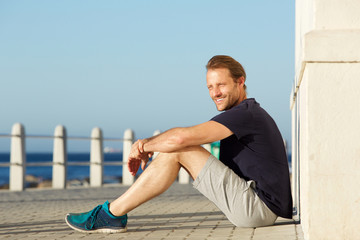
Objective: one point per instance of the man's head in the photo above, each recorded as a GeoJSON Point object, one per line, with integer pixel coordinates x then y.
{"type": "Point", "coordinates": [222, 61]}
{"type": "Point", "coordinates": [226, 81]}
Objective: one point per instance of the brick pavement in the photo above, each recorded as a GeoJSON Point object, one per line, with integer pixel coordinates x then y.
{"type": "Point", "coordinates": [180, 213]}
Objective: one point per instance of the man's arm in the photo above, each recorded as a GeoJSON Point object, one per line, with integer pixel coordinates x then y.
{"type": "Point", "coordinates": [179, 138]}
{"type": "Point", "coordinates": [173, 140]}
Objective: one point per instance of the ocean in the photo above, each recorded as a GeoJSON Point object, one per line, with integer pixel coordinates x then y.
{"type": "Point", "coordinates": [111, 173]}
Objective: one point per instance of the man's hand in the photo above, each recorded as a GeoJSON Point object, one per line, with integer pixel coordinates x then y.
{"type": "Point", "coordinates": [138, 157]}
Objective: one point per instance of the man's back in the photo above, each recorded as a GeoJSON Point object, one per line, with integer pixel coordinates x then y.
{"type": "Point", "coordinates": [256, 152]}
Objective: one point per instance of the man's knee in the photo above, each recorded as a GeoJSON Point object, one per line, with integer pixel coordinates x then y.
{"type": "Point", "coordinates": [194, 150]}
{"type": "Point", "coordinates": [191, 151]}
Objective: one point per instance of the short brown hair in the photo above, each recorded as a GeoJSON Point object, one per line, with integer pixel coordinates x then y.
{"type": "Point", "coordinates": [223, 61]}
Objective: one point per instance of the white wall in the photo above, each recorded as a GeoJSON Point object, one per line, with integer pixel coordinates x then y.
{"type": "Point", "coordinates": [326, 93]}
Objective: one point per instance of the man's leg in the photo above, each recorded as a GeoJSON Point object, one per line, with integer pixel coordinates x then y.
{"type": "Point", "coordinates": [159, 176]}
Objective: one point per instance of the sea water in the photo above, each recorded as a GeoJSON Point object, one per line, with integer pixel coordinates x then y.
{"type": "Point", "coordinates": [111, 173]}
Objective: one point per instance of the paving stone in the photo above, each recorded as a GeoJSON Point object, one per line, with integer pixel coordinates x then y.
{"type": "Point", "coordinates": [179, 213]}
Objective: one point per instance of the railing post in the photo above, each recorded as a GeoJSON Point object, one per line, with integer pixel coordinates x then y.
{"type": "Point", "coordinates": [17, 158]}
{"type": "Point", "coordinates": [156, 132]}
{"type": "Point", "coordinates": [207, 146]}
{"type": "Point", "coordinates": [184, 176]}
{"type": "Point", "coordinates": [59, 158]}
{"type": "Point", "coordinates": [96, 158]}
{"type": "Point", "coordinates": [127, 178]}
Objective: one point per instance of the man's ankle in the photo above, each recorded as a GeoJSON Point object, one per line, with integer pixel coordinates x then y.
{"type": "Point", "coordinates": [111, 212]}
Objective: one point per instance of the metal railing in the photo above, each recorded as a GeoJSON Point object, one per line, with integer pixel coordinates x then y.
{"type": "Point", "coordinates": [59, 162]}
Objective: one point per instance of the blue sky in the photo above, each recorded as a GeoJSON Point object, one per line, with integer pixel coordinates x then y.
{"type": "Point", "coordinates": [135, 64]}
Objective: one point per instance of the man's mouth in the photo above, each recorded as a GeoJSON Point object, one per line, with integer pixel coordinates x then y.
{"type": "Point", "coordinates": [219, 100]}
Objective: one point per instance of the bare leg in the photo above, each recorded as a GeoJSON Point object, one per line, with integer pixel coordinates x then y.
{"type": "Point", "coordinates": [159, 176]}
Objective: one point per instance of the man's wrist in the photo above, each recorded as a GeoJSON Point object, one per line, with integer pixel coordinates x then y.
{"type": "Point", "coordinates": [142, 149]}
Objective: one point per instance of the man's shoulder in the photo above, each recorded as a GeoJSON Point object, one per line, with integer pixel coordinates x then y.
{"type": "Point", "coordinates": [237, 114]}
{"type": "Point", "coordinates": [247, 106]}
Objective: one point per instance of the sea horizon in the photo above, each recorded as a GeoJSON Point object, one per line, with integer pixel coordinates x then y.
{"type": "Point", "coordinates": [80, 173]}
{"type": "Point", "coordinates": [38, 174]}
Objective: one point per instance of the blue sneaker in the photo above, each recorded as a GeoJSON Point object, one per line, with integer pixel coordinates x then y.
{"type": "Point", "coordinates": [98, 220]}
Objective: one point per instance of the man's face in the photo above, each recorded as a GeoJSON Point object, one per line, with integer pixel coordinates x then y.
{"type": "Point", "coordinates": [223, 90]}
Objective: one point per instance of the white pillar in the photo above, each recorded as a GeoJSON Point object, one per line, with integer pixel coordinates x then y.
{"type": "Point", "coordinates": [17, 158]}
{"type": "Point", "coordinates": [207, 146]}
{"type": "Point", "coordinates": [326, 92]}
{"type": "Point", "coordinates": [59, 158]}
{"type": "Point", "coordinates": [127, 178]}
{"type": "Point", "coordinates": [96, 158]}
{"type": "Point", "coordinates": [184, 176]}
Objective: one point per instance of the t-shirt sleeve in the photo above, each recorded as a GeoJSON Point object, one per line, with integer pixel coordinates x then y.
{"type": "Point", "coordinates": [239, 121]}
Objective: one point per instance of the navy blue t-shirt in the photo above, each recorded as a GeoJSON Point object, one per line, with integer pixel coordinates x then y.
{"type": "Point", "coordinates": [256, 152]}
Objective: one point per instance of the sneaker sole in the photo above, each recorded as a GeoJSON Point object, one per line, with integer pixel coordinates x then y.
{"type": "Point", "coordinates": [101, 230]}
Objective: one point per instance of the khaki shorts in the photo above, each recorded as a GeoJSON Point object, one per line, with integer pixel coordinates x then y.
{"type": "Point", "coordinates": [234, 196]}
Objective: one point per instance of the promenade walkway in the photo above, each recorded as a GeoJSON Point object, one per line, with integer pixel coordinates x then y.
{"type": "Point", "coordinates": [180, 213]}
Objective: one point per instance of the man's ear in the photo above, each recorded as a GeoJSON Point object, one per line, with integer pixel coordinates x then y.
{"type": "Point", "coordinates": [241, 81]}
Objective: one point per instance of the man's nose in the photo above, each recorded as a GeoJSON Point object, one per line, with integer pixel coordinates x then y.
{"type": "Point", "coordinates": [216, 92]}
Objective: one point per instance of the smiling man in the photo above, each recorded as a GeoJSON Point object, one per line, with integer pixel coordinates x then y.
{"type": "Point", "coordinates": [249, 182]}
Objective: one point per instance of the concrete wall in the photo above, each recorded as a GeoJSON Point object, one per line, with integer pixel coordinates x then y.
{"type": "Point", "coordinates": [327, 104]}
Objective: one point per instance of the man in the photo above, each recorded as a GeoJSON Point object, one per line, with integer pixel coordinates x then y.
{"type": "Point", "coordinates": [250, 181]}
